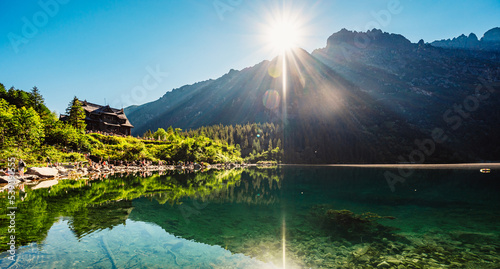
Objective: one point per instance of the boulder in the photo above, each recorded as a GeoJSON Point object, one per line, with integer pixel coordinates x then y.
{"type": "Point", "coordinates": [27, 178]}
{"type": "Point", "coordinates": [62, 170]}
{"type": "Point", "coordinates": [84, 171]}
{"type": "Point", "coordinates": [43, 171]}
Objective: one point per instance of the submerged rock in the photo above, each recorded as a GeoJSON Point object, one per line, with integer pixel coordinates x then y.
{"type": "Point", "coordinates": [353, 227]}
{"type": "Point", "coordinates": [394, 261]}
{"type": "Point", "coordinates": [383, 264]}
{"type": "Point", "coordinates": [45, 184]}
{"type": "Point", "coordinates": [17, 179]}
{"type": "Point", "coordinates": [6, 179]}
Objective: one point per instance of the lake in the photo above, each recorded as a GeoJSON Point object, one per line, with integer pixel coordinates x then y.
{"type": "Point", "coordinates": [280, 217]}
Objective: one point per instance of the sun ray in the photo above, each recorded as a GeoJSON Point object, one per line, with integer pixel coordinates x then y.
{"type": "Point", "coordinates": [284, 85]}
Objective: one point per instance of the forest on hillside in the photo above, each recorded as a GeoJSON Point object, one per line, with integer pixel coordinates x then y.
{"type": "Point", "coordinates": [256, 141]}
{"type": "Point", "coordinates": [29, 131]}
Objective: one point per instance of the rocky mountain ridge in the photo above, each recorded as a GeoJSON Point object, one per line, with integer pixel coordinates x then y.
{"type": "Point", "coordinates": [489, 42]}
{"type": "Point", "coordinates": [365, 97]}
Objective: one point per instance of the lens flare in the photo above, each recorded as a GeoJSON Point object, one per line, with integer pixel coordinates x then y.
{"type": "Point", "coordinates": [302, 81]}
{"type": "Point", "coordinates": [274, 71]}
{"type": "Point", "coordinates": [271, 99]}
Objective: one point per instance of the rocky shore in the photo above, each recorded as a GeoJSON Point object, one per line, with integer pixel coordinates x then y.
{"type": "Point", "coordinates": [48, 176]}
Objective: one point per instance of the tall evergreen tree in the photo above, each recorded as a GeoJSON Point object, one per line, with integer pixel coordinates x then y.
{"type": "Point", "coordinates": [76, 114]}
{"type": "Point", "coordinates": [36, 99]}
{"type": "Point", "coordinates": [147, 134]}
{"type": "Point", "coordinates": [3, 92]}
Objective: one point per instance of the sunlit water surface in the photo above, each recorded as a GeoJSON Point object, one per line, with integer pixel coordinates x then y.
{"type": "Point", "coordinates": [319, 217]}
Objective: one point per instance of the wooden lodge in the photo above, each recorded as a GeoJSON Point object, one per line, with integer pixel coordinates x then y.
{"type": "Point", "coordinates": [105, 119]}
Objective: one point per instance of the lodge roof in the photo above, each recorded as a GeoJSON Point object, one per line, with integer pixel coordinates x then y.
{"type": "Point", "coordinates": [92, 108]}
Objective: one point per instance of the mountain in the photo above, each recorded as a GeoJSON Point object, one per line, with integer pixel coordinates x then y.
{"type": "Point", "coordinates": [365, 97]}
{"type": "Point", "coordinates": [489, 42]}
{"type": "Point", "coordinates": [228, 100]}
{"type": "Point", "coordinates": [428, 87]}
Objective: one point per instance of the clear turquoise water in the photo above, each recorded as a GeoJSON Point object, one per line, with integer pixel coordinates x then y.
{"type": "Point", "coordinates": [240, 219]}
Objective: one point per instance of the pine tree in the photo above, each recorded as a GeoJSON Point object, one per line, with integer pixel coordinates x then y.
{"type": "Point", "coordinates": [256, 145]}
{"type": "Point", "coordinates": [36, 99]}
{"type": "Point", "coordinates": [245, 143]}
{"type": "Point", "coordinates": [76, 114]}
{"type": "Point", "coordinates": [170, 130]}
{"type": "Point", "coordinates": [3, 92]}
{"type": "Point", "coordinates": [147, 134]}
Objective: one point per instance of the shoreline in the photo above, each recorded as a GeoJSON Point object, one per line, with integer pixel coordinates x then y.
{"type": "Point", "coordinates": [71, 172]}
{"type": "Point", "coordinates": [63, 172]}
{"type": "Point", "coordinates": [410, 166]}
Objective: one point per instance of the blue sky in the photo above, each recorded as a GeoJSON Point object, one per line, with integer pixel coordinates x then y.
{"type": "Point", "coordinates": [132, 52]}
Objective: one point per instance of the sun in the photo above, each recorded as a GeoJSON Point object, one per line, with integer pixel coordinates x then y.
{"type": "Point", "coordinates": [282, 26]}
{"type": "Point", "coordinates": [283, 35]}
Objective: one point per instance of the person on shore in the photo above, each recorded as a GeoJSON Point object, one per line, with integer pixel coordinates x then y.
{"type": "Point", "coordinates": [48, 161]}
{"type": "Point", "coordinates": [21, 166]}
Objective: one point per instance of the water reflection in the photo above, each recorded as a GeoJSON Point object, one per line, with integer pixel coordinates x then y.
{"type": "Point", "coordinates": [334, 217]}
{"type": "Point", "coordinates": [128, 245]}
{"type": "Point", "coordinates": [102, 203]}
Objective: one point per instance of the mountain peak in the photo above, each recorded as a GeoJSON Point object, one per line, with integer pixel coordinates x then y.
{"type": "Point", "coordinates": [490, 41]}
{"type": "Point", "coordinates": [374, 37]}
{"type": "Point", "coordinates": [492, 35]}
